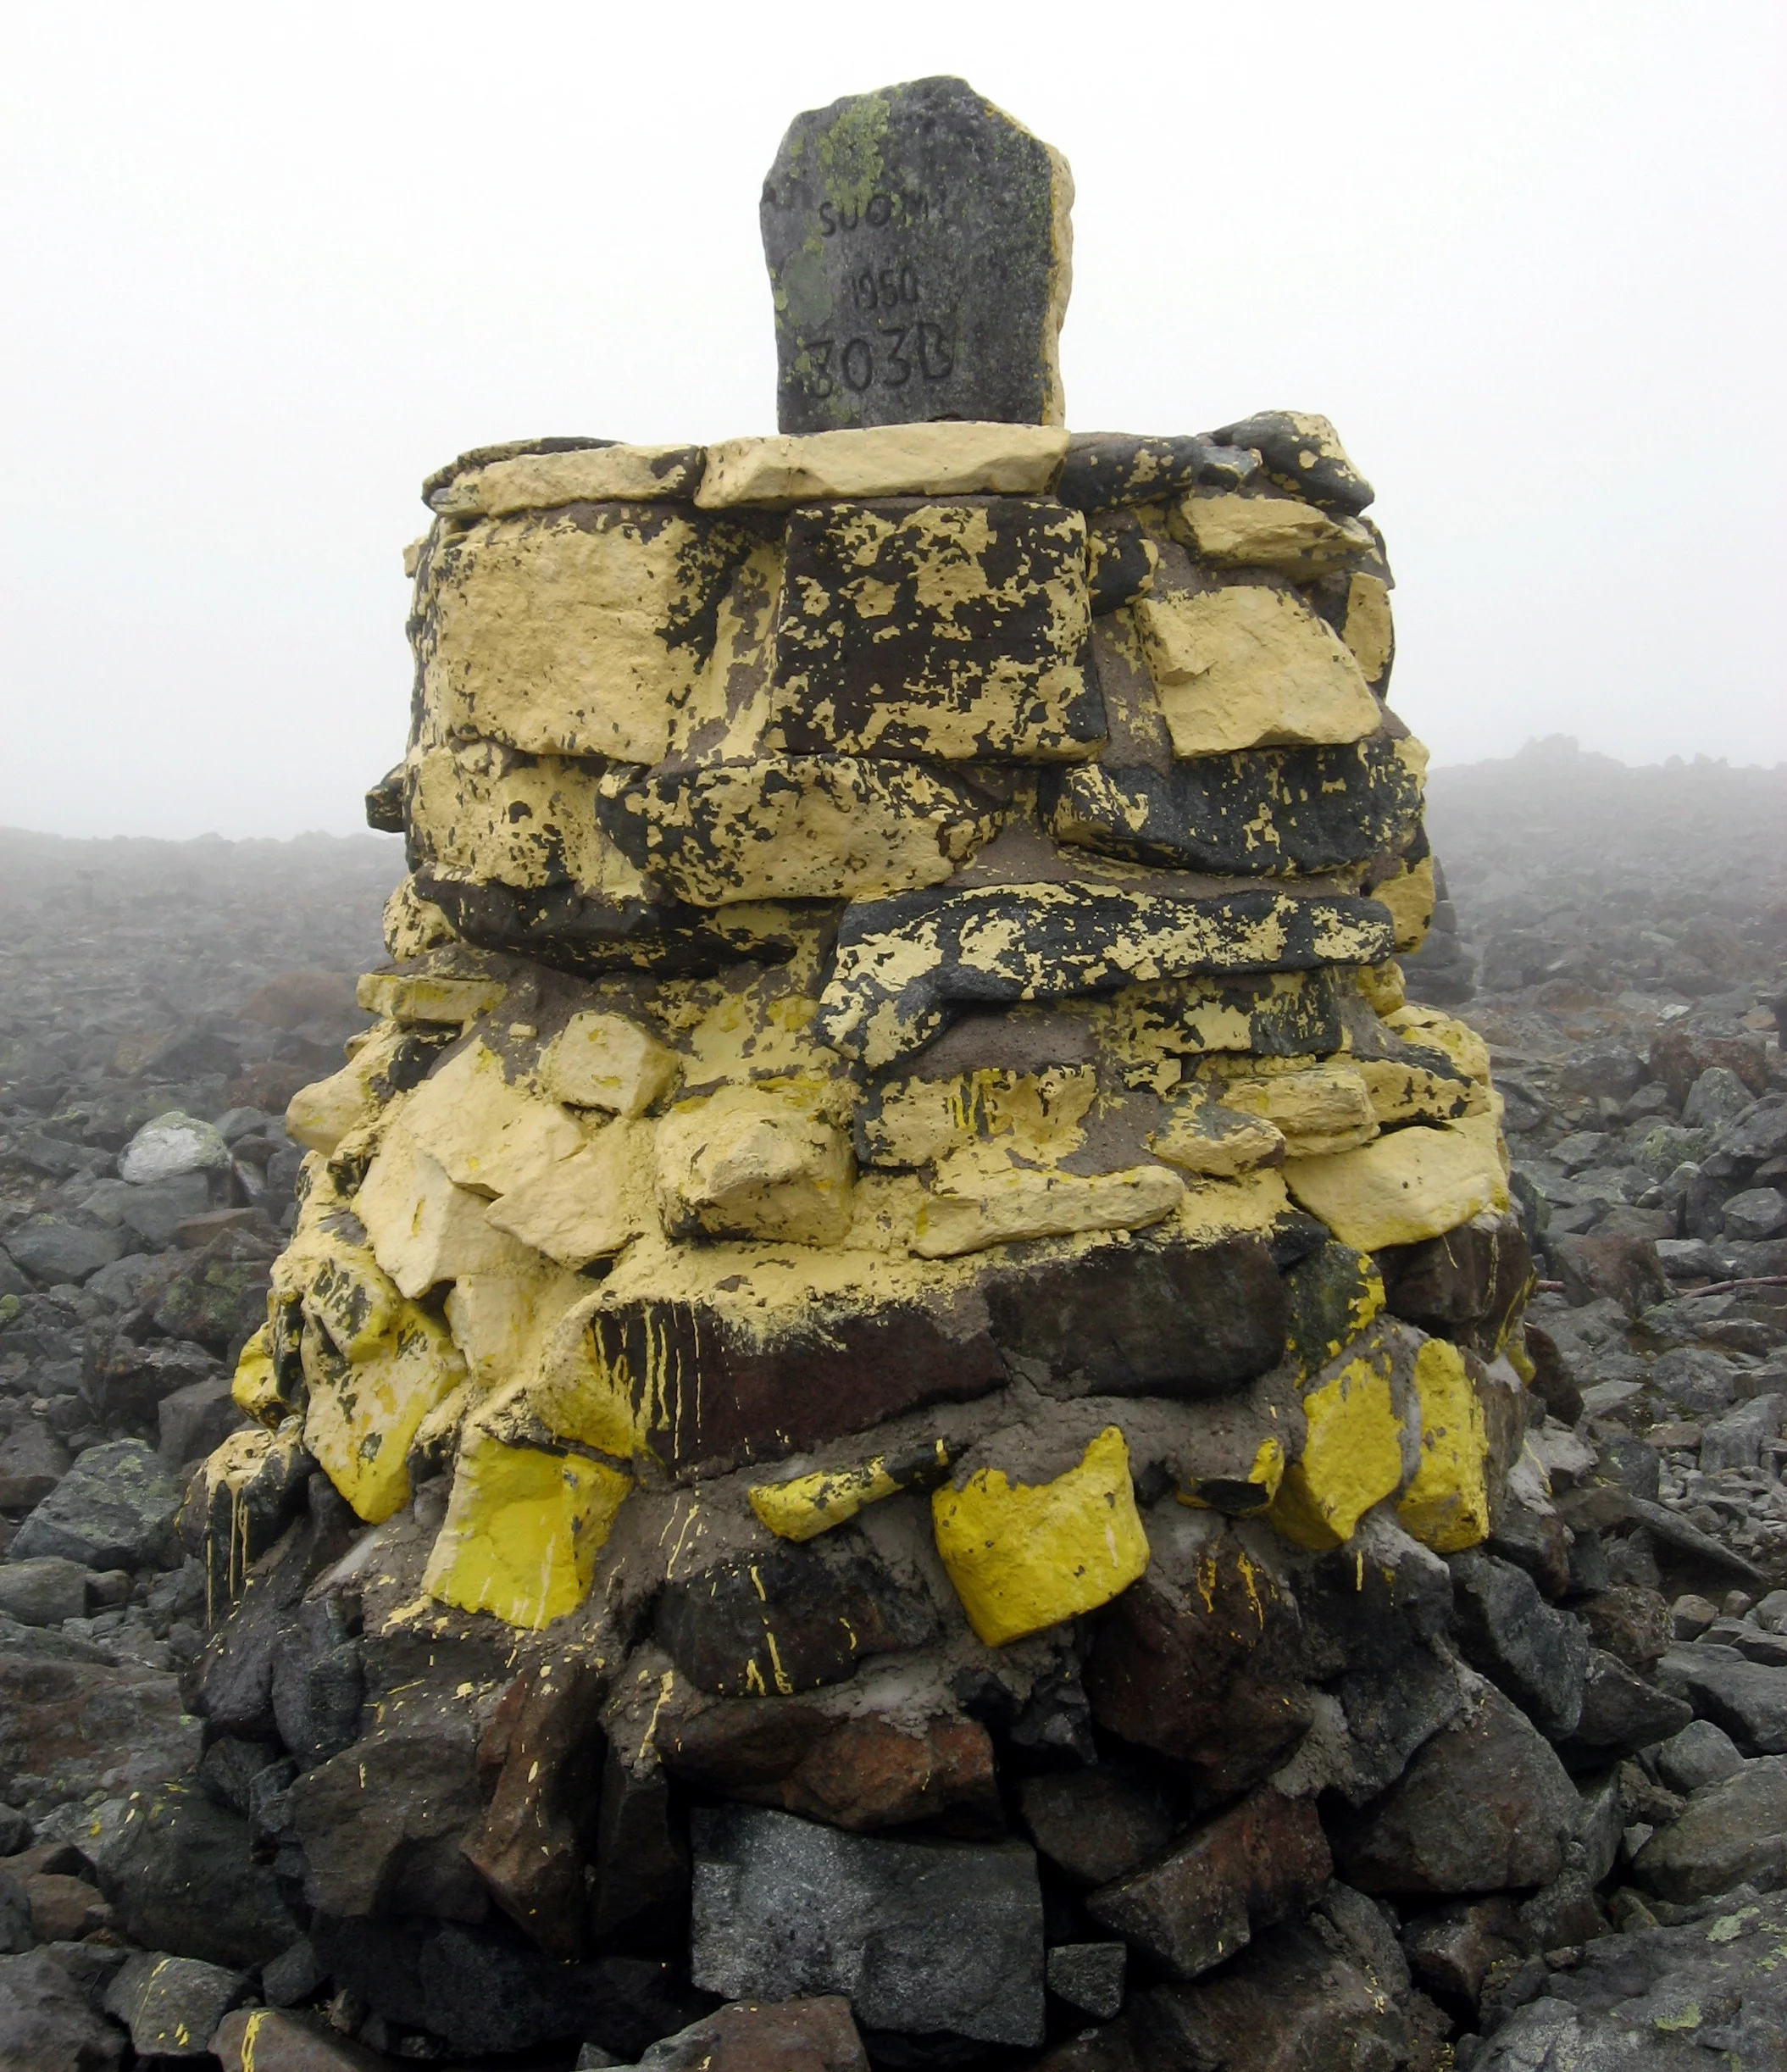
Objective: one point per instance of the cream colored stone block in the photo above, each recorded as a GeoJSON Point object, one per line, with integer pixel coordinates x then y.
{"type": "Point", "coordinates": [498, 1320]}
{"type": "Point", "coordinates": [1247, 667]}
{"type": "Point", "coordinates": [606, 1061]}
{"type": "Point", "coordinates": [1443, 1032]}
{"type": "Point", "coordinates": [572, 632]}
{"type": "Point", "coordinates": [428, 998]}
{"type": "Point", "coordinates": [320, 1116]}
{"type": "Point", "coordinates": [482, 811]}
{"type": "Point", "coordinates": [887, 460]}
{"type": "Point", "coordinates": [1404, 1186]}
{"type": "Point", "coordinates": [424, 1229]}
{"type": "Point", "coordinates": [593, 475]}
{"type": "Point", "coordinates": [1002, 1208]}
{"type": "Point", "coordinates": [487, 1133]}
{"type": "Point", "coordinates": [1037, 1115]}
{"type": "Point", "coordinates": [1320, 1110]}
{"type": "Point", "coordinates": [587, 1206]}
{"type": "Point", "coordinates": [1409, 895]}
{"type": "Point", "coordinates": [1367, 628]}
{"type": "Point", "coordinates": [1207, 1137]}
{"type": "Point", "coordinates": [413, 926]}
{"type": "Point", "coordinates": [1270, 532]}
{"type": "Point", "coordinates": [1403, 1092]}
{"type": "Point", "coordinates": [749, 1162]}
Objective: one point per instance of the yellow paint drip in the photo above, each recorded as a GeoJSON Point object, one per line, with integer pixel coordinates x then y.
{"type": "Point", "coordinates": [1447, 1503]}
{"type": "Point", "coordinates": [1023, 1558]}
{"type": "Point", "coordinates": [1352, 1457]}
{"type": "Point", "coordinates": [523, 1529]}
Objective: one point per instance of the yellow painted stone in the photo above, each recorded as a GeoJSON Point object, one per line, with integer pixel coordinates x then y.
{"type": "Point", "coordinates": [973, 1209]}
{"type": "Point", "coordinates": [523, 1529]}
{"type": "Point", "coordinates": [429, 997]}
{"type": "Point", "coordinates": [413, 925]}
{"type": "Point", "coordinates": [1246, 667]}
{"type": "Point", "coordinates": [1447, 1503]}
{"type": "Point", "coordinates": [319, 1116]}
{"type": "Point", "coordinates": [1039, 1114]}
{"type": "Point", "coordinates": [1367, 628]}
{"type": "Point", "coordinates": [587, 1206]}
{"type": "Point", "coordinates": [1022, 1556]}
{"type": "Point", "coordinates": [497, 1320]}
{"type": "Point", "coordinates": [1269, 532]}
{"type": "Point", "coordinates": [1265, 1474]}
{"type": "Point", "coordinates": [1409, 895]}
{"type": "Point", "coordinates": [754, 1162]}
{"type": "Point", "coordinates": [1352, 1455]}
{"type": "Point", "coordinates": [572, 632]}
{"type": "Point", "coordinates": [483, 812]}
{"type": "Point", "coordinates": [944, 458]}
{"type": "Point", "coordinates": [363, 1416]}
{"type": "Point", "coordinates": [1321, 1109]}
{"type": "Point", "coordinates": [1405, 1185]}
{"type": "Point", "coordinates": [593, 475]}
{"type": "Point", "coordinates": [488, 1134]}
{"type": "Point", "coordinates": [607, 1061]}
{"type": "Point", "coordinates": [1203, 1135]}
{"type": "Point", "coordinates": [344, 1289]}
{"type": "Point", "coordinates": [1382, 986]}
{"type": "Point", "coordinates": [573, 1391]}
{"type": "Point", "coordinates": [1403, 1092]}
{"type": "Point", "coordinates": [810, 1504]}
{"type": "Point", "coordinates": [255, 1389]}
{"type": "Point", "coordinates": [1443, 1032]}
{"type": "Point", "coordinates": [424, 1229]}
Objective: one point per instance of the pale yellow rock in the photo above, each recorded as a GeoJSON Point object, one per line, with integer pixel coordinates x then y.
{"type": "Point", "coordinates": [429, 997]}
{"type": "Point", "coordinates": [1355, 1450]}
{"type": "Point", "coordinates": [1368, 629]}
{"type": "Point", "coordinates": [424, 1229]}
{"type": "Point", "coordinates": [1247, 667]}
{"type": "Point", "coordinates": [1003, 1206]}
{"type": "Point", "coordinates": [413, 925]}
{"type": "Point", "coordinates": [499, 1320]}
{"type": "Point", "coordinates": [587, 1206]}
{"type": "Point", "coordinates": [1410, 1092]}
{"type": "Point", "coordinates": [1443, 1032]}
{"type": "Point", "coordinates": [1409, 895]}
{"type": "Point", "coordinates": [320, 1116]}
{"type": "Point", "coordinates": [1406, 1186]}
{"type": "Point", "coordinates": [489, 1135]}
{"type": "Point", "coordinates": [254, 1388]}
{"type": "Point", "coordinates": [1216, 1207]}
{"type": "Point", "coordinates": [1038, 1114]}
{"type": "Point", "coordinates": [569, 632]}
{"type": "Point", "coordinates": [1382, 987]}
{"type": "Point", "coordinates": [593, 475]}
{"type": "Point", "coordinates": [1321, 1109]}
{"type": "Point", "coordinates": [573, 1391]}
{"type": "Point", "coordinates": [1022, 1556]}
{"type": "Point", "coordinates": [1447, 1504]}
{"type": "Point", "coordinates": [886, 460]}
{"type": "Point", "coordinates": [363, 1414]}
{"type": "Point", "coordinates": [1204, 1137]}
{"type": "Point", "coordinates": [523, 1529]}
{"type": "Point", "coordinates": [606, 1061]}
{"type": "Point", "coordinates": [483, 812]}
{"type": "Point", "coordinates": [343, 1288]}
{"type": "Point", "coordinates": [1269, 532]}
{"type": "Point", "coordinates": [754, 1162]}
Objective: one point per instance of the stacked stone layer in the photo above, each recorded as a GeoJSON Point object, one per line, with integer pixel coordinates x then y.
{"type": "Point", "coordinates": [894, 1162]}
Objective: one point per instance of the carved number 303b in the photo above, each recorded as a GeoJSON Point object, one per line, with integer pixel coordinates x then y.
{"type": "Point", "coordinates": [906, 349]}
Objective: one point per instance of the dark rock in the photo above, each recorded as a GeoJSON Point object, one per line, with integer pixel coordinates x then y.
{"type": "Point", "coordinates": [1485, 1806]}
{"type": "Point", "coordinates": [178, 1871]}
{"type": "Point", "coordinates": [194, 1420]}
{"type": "Point", "coordinates": [44, 1591]}
{"type": "Point", "coordinates": [89, 1725]}
{"type": "Point", "coordinates": [1620, 1713]}
{"type": "Point", "coordinates": [1006, 943]}
{"type": "Point", "coordinates": [754, 2035]}
{"type": "Point", "coordinates": [916, 251]}
{"type": "Point", "coordinates": [1285, 812]}
{"type": "Point", "coordinates": [316, 1687]}
{"type": "Point", "coordinates": [15, 1915]}
{"type": "Point", "coordinates": [1089, 1976]}
{"type": "Point", "coordinates": [1538, 1656]}
{"type": "Point", "coordinates": [641, 1853]}
{"type": "Point", "coordinates": [65, 1908]}
{"type": "Point", "coordinates": [870, 1773]}
{"type": "Point", "coordinates": [124, 1380]}
{"type": "Point", "coordinates": [1467, 1285]}
{"type": "Point", "coordinates": [230, 1765]}
{"type": "Point", "coordinates": [293, 1977]}
{"type": "Point", "coordinates": [1247, 1868]}
{"type": "Point", "coordinates": [1735, 1829]}
{"type": "Point", "coordinates": [1200, 1660]}
{"type": "Point", "coordinates": [1332, 1294]}
{"type": "Point", "coordinates": [1104, 471]}
{"type": "Point", "coordinates": [220, 1300]}
{"type": "Point", "coordinates": [114, 1509]}
{"type": "Point", "coordinates": [15, 1831]}
{"type": "Point", "coordinates": [528, 1847]}
{"type": "Point", "coordinates": [1097, 1825]}
{"type": "Point", "coordinates": [1451, 1950]}
{"type": "Point", "coordinates": [48, 2018]}
{"type": "Point", "coordinates": [1120, 561]}
{"type": "Point", "coordinates": [172, 2005]}
{"type": "Point", "coordinates": [1553, 1383]}
{"type": "Point", "coordinates": [1701, 1754]}
{"type": "Point", "coordinates": [1298, 457]}
{"type": "Point", "coordinates": [266, 2040]}
{"type": "Point", "coordinates": [1747, 1699]}
{"type": "Point", "coordinates": [1632, 1464]}
{"type": "Point", "coordinates": [1627, 1268]}
{"type": "Point", "coordinates": [61, 1252]}
{"type": "Point", "coordinates": [1738, 1439]}
{"type": "Point", "coordinates": [1153, 1316]}
{"type": "Point", "coordinates": [922, 1936]}
{"type": "Point", "coordinates": [790, 1619]}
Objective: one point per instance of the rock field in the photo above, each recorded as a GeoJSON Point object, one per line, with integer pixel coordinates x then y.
{"type": "Point", "coordinates": [1522, 1806]}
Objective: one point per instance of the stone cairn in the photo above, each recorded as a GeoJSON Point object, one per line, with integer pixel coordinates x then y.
{"type": "Point", "coordinates": [885, 1339]}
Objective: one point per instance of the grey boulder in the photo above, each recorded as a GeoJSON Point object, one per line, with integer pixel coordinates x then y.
{"type": "Point", "coordinates": [43, 1592]}
{"type": "Point", "coordinates": [172, 2005]}
{"type": "Point", "coordinates": [114, 1509]}
{"type": "Point", "coordinates": [172, 1145]}
{"type": "Point", "coordinates": [1729, 1831]}
{"type": "Point", "coordinates": [58, 1250]}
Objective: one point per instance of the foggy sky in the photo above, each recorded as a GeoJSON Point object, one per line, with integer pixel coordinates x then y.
{"type": "Point", "coordinates": [266, 267]}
